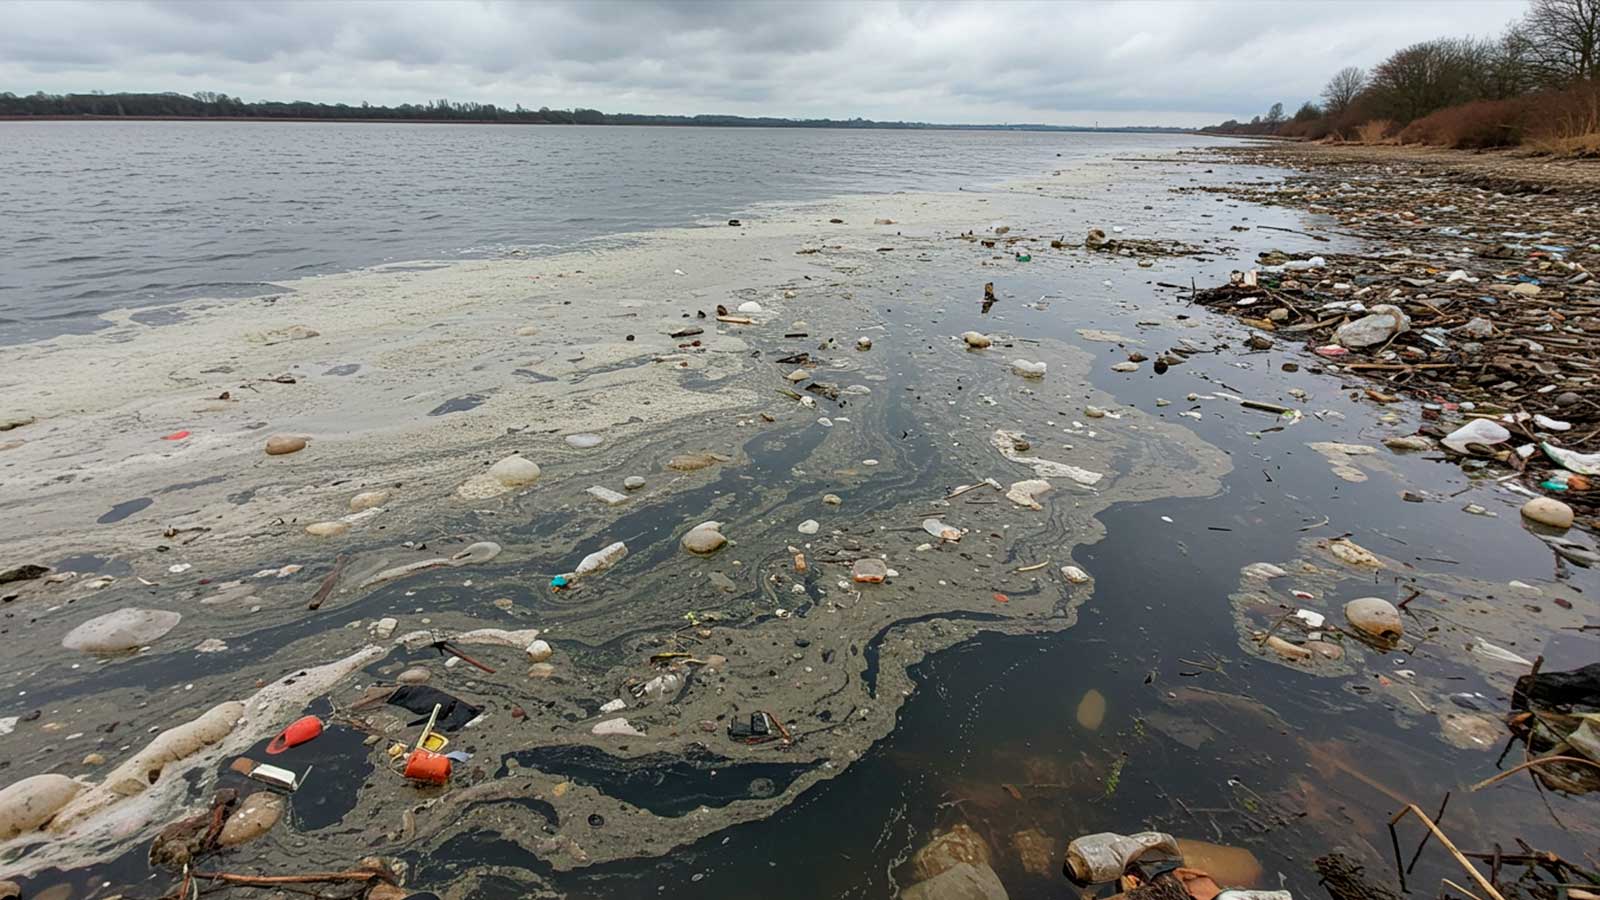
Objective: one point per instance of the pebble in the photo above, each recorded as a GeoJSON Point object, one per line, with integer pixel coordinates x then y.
{"type": "Point", "coordinates": [541, 670]}
{"type": "Point", "coordinates": [798, 375]}
{"type": "Point", "coordinates": [583, 441]}
{"type": "Point", "coordinates": [504, 603]}
{"type": "Point", "coordinates": [414, 675]}
{"type": "Point", "coordinates": [633, 482]}
{"type": "Point", "coordinates": [539, 651]}
{"type": "Point", "coordinates": [832, 499]}
{"type": "Point", "coordinates": [809, 526]}
{"type": "Point", "coordinates": [750, 306]}
{"type": "Point", "coordinates": [704, 538]}
{"type": "Point", "coordinates": [515, 471]}
{"type": "Point", "coordinates": [385, 627]}
{"type": "Point", "coordinates": [1029, 369]}
{"type": "Point", "coordinates": [327, 529]}
{"type": "Point", "coordinates": [863, 343]}
{"type": "Point", "coordinates": [1094, 412]}
{"type": "Point", "coordinates": [282, 444]}
{"type": "Point", "coordinates": [616, 727]}
{"type": "Point", "coordinates": [1125, 367]}
{"type": "Point", "coordinates": [976, 340]}
{"type": "Point", "coordinates": [1075, 574]}
{"type": "Point", "coordinates": [611, 706]}
{"type": "Point", "coordinates": [368, 500]}
{"type": "Point", "coordinates": [1549, 512]}
{"type": "Point", "coordinates": [94, 759]}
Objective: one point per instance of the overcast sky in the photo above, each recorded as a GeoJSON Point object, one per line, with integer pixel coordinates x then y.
{"type": "Point", "coordinates": [1172, 63]}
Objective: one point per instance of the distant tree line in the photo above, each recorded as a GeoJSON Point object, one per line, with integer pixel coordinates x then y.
{"type": "Point", "coordinates": [1542, 75]}
{"type": "Point", "coordinates": [210, 105]}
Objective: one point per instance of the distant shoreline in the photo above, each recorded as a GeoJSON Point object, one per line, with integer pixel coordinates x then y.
{"type": "Point", "coordinates": [367, 120]}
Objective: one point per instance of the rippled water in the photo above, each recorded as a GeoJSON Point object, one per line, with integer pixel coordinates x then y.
{"type": "Point", "coordinates": [107, 215]}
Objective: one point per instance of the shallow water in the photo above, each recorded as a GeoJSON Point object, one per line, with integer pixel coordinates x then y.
{"type": "Point", "coordinates": [107, 215]}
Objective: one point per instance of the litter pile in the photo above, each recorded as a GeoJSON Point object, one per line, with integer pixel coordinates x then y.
{"type": "Point", "coordinates": [1480, 302]}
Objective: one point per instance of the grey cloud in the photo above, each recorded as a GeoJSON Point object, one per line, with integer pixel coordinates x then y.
{"type": "Point", "coordinates": [1180, 62]}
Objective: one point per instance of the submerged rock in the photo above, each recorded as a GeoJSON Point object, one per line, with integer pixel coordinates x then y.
{"type": "Point", "coordinates": [633, 482]}
{"type": "Point", "coordinates": [809, 526]}
{"type": "Point", "coordinates": [976, 340]}
{"type": "Point", "coordinates": [121, 630]}
{"type": "Point", "coordinates": [704, 538]}
{"type": "Point", "coordinates": [515, 471]}
{"type": "Point", "coordinates": [583, 441]}
{"type": "Point", "coordinates": [327, 529]}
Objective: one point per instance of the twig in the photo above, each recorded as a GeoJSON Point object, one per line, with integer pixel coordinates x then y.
{"type": "Point", "coordinates": [1411, 809]}
{"type": "Point", "coordinates": [311, 878]}
{"type": "Point", "coordinates": [1530, 764]}
{"type": "Point", "coordinates": [328, 583]}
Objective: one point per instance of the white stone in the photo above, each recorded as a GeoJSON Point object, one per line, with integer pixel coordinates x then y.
{"type": "Point", "coordinates": [515, 471]}
{"type": "Point", "coordinates": [809, 526]}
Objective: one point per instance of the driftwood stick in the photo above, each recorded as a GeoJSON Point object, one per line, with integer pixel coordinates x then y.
{"type": "Point", "coordinates": [1466, 864]}
{"type": "Point", "coordinates": [1530, 764]}
{"type": "Point", "coordinates": [309, 878]}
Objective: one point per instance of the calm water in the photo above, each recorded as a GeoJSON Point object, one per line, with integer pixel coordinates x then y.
{"type": "Point", "coordinates": [106, 215]}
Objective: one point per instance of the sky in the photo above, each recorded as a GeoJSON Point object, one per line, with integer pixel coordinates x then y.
{"type": "Point", "coordinates": [1167, 62]}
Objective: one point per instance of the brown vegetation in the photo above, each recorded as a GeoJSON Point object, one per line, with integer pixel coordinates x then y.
{"type": "Point", "coordinates": [1536, 87]}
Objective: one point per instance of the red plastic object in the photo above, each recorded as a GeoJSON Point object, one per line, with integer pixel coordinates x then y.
{"type": "Point", "coordinates": [428, 767]}
{"type": "Point", "coordinates": [298, 732]}
{"type": "Point", "coordinates": [175, 436]}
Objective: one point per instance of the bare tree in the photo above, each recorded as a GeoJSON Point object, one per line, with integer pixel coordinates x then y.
{"type": "Point", "coordinates": [1429, 76]}
{"type": "Point", "coordinates": [1342, 90]}
{"type": "Point", "coordinates": [1566, 39]}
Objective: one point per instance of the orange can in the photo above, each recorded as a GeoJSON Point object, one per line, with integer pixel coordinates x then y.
{"type": "Point", "coordinates": [428, 767]}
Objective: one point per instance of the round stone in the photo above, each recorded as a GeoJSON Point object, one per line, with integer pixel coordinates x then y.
{"type": "Point", "coordinates": [515, 471]}
{"type": "Point", "coordinates": [282, 444]}
{"type": "Point", "coordinates": [1549, 512]}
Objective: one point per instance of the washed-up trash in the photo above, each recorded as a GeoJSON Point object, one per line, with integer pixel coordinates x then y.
{"type": "Point", "coordinates": [480, 552]}
{"type": "Point", "coordinates": [869, 570]}
{"type": "Point", "coordinates": [1103, 857]}
{"type": "Point", "coordinates": [428, 767]}
{"type": "Point", "coordinates": [760, 728]}
{"type": "Point", "coordinates": [1353, 554]}
{"type": "Point", "coordinates": [1007, 442]}
{"type": "Point", "coordinates": [1026, 493]}
{"type": "Point", "coordinates": [1384, 322]}
{"type": "Point", "coordinates": [454, 713]}
{"type": "Point", "coordinates": [602, 559]}
{"type": "Point", "coordinates": [1478, 431]}
{"type": "Point", "coordinates": [1498, 654]}
{"type": "Point", "coordinates": [1573, 461]}
{"type": "Point", "coordinates": [940, 530]}
{"type": "Point", "coordinates": [1028, 369]}
{"type": "Point", "coordinates": [276, 776]}
{"type": "Point", "coordinates": [298, 732]}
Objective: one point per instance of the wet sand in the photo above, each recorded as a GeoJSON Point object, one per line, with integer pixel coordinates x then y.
{"type": "Point", "coordinates": [418, 378]}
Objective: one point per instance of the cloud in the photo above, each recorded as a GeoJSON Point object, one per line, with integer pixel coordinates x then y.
{"type": "Point", "coordinates": [1171, 62]}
